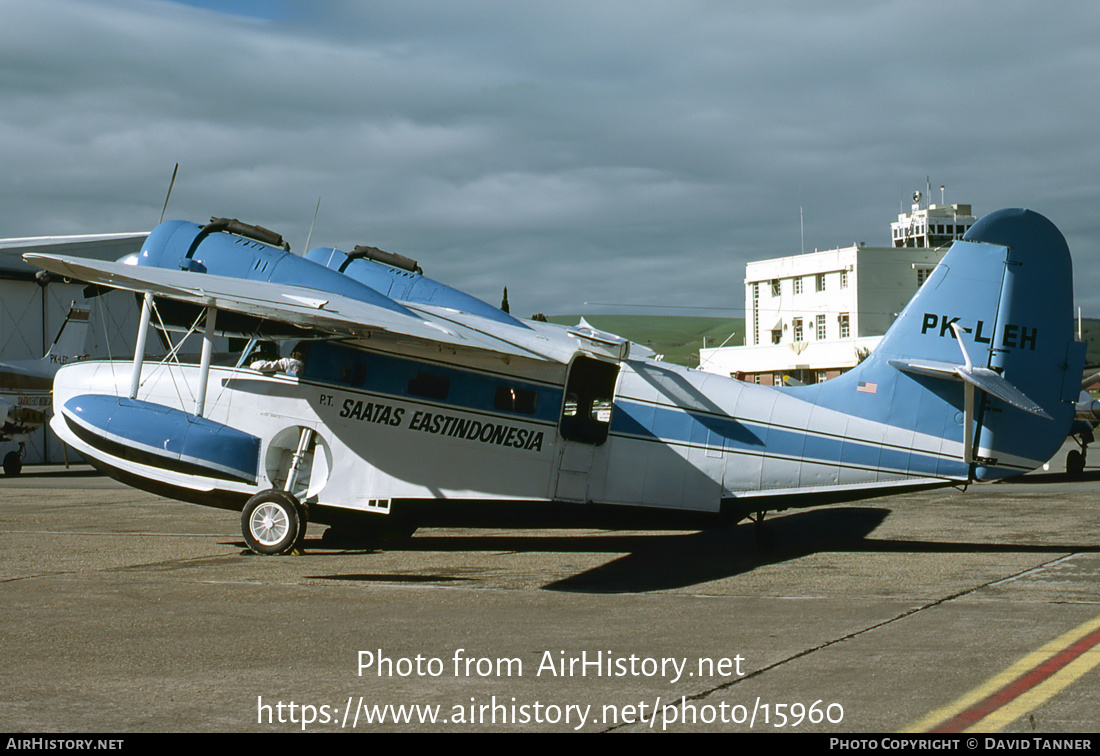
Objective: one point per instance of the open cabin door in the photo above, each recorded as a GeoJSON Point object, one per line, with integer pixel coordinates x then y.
{"type": "Point", "coordinates": [584, 424]}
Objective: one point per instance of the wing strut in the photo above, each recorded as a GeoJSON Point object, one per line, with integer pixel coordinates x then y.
{"type": "Point", "coordinates": [204, 364]}
{"type": "Point", "coordinates": [139, 346]}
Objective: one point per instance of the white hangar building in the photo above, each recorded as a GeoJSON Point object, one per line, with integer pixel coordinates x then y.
{"type": "Point", "coordinates": [32, 314]}
{"type": "Point", "coordinates": [813, 316]}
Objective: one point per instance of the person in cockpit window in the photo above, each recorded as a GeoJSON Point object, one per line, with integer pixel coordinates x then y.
{"type": "Point", "coordinates": [293, 365]}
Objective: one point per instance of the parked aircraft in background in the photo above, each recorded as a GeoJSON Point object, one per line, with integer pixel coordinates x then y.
{"type": "Point", "coordinates": [26, 385]}
{"type": "Point", "coordinates": [419, 405]}
{"type": "Point", "coordinates": [1087, 415]}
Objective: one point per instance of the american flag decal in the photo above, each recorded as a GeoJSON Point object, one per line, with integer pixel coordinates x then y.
{"type": "Point", "coordinates": [867, 388]}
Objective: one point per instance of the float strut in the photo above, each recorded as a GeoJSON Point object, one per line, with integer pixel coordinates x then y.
{"type": "Point", "coordinates": [139, 346]}
{"type": "Point", "coordinates": [207, 354]}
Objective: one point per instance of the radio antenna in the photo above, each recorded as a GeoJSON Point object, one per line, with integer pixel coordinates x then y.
{"type": "Point", "coordinates": [311, 225]}
{"type": "Point", "coordinates": [170, 185]}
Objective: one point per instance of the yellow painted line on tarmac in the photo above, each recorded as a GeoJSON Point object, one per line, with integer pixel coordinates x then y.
{"type": "Point", "coordinates": [1022, 687]}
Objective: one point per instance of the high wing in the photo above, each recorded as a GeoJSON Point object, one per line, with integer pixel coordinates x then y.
{"type": "Point", "coordinates": [333, 313]}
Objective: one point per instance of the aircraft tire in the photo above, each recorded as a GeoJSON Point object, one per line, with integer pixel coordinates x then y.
{"type": "Point", "coordinates": [13, 465]}
{"type": "Point", "coordinates": [273, 522]}
{"type": "Point", "coordinates": [1075, 463]}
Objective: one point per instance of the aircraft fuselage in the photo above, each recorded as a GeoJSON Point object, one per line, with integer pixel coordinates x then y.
{"type": "Point", "coordinates": [388, 428]}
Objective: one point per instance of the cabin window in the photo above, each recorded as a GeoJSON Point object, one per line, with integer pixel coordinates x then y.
{"type": "Point", "coordinates": [512, 399]}
{"type": "Point", "coordinates": [334, 363]}
{"type": "Point", "coordinates": [354, 373]}
{"type": "Point", "coordinates": [589, 401]}
{"type": "Point", "coordinates": [430, 386]}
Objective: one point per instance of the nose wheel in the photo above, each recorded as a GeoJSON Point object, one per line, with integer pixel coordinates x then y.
{"type": "Point", "coordinates": [273, 522]}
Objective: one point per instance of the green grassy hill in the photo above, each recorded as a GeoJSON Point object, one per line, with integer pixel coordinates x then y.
{"type": "Point", "coordinates": [678, 338]}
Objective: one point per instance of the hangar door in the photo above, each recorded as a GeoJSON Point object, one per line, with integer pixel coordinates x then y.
{"type": "Point", "coordinates": [31, 316]}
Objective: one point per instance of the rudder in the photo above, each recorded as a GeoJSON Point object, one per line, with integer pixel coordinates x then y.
{"type": "Point", "coordinates": [1032, 344]}
{"type": "Point", "coordinates": [71, 341]}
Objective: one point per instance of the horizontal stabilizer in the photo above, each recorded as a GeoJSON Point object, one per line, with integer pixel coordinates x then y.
{"type": "Point", "coordinates": [989, 381]}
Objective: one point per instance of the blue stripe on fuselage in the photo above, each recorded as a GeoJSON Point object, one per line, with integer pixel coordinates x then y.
{"type": "Point", "coordinates": [666, 424]}
{"type": "Point", "coordinates": [390, 376]}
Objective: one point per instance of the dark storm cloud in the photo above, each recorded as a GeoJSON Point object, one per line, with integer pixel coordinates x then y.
{"type": "Point", "coordinates": [623, 152]}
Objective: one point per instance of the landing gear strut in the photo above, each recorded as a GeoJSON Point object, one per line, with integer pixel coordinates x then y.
{"type": "Point", "coordinates": [758, 523]}
{"type": "Point", "coordinates": [274, 521]}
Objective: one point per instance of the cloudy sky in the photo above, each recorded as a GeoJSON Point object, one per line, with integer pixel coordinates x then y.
{"type": "Point", "coordinates": [628, 152]}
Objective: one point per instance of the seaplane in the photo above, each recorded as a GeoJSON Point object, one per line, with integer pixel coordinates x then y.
{"type": "Point", "coordinates": [405, 403]}
{"type": "Point", "coordinates": [25, 385]}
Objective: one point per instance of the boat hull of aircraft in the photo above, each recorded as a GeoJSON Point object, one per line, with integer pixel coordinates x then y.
{"type": "Point", "coordinates": [387, 427]}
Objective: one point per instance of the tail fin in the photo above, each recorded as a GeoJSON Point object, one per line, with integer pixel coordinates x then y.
{"type": "Point", "coordinates": [72, 339]}
{"type": "Point", "coordinates": [983, 355]}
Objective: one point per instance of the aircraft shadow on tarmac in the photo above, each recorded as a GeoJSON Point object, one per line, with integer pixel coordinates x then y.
{"type": "Point", "coordinates": [663, 561]}
{"type": "Point", "coordinates": [1051, 478]}
{"type": "Point", "coordinates": [51, 472]}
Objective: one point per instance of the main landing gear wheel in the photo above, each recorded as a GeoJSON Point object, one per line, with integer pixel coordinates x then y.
{"type": "Point", "coordinates": [273, 522]}
{"type": "Point", "coordinates": [13, 463]}
{"type": "Point", "coordinates": [1075, 463]}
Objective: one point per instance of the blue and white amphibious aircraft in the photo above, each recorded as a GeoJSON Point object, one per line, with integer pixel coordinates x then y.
{"type": "Point", "coordinates": [411, 404]}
